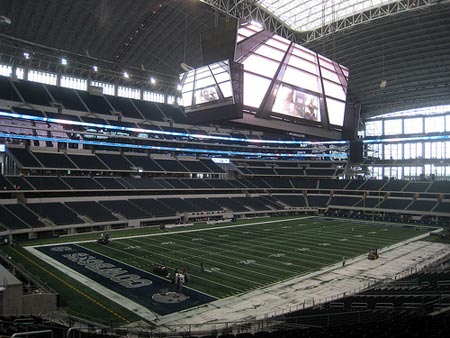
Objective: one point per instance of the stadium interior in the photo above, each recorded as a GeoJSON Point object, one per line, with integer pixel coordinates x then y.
{"type": "Point", "coordinates": [224, 168]}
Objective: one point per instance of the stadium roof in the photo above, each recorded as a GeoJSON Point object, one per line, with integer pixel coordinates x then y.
{"type": "Point", "coordinates": [309, 15]}
{"type": "Point", "coordinates": [398, 52]}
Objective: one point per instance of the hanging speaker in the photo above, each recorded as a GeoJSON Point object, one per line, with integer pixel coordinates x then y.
{"type": "Point", "coordinates": [356, 151]}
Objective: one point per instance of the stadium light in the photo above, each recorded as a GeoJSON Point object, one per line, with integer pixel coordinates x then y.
{"type": "Point", "coordinates": [26, 55]}
{"type": "Point", "coordinates": [64, 61]}
{"type": "Point", "coordinates": [126, 75]}
{"type": "Point", "coordinates": [95, 68]}
{"type": "Point", "coordinates": [152, 80]}
{"type": "Point", "coordinates": [179, 87]}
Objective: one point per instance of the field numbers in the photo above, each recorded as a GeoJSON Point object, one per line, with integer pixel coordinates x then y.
{"type": "Point", "coordinates": [246, 262]}
{"type": "Point", "coordinates": [212, 269]}
{"type": "Point", "coordinates": [167, 243]}
{"type": "Point", "coordinates": [277, 255]}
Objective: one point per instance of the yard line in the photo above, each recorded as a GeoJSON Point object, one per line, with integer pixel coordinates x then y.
{"type": "Point", "coordinates": [234, 267]}
{"type": "Point", "coordinates": [150, 261]}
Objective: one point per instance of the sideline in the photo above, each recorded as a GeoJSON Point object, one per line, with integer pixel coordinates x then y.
{"type": "Point", "coordinates": [175, 232]}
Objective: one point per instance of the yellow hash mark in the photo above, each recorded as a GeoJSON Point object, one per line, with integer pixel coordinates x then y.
{"type": "Point", "coordinates": [71, 286]}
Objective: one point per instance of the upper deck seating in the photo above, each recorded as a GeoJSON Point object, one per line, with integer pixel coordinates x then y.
{"type": "Point", "coordinates": [33, 92]}
{"type": "Point", "coordinates": [7, 91]}
{"type": "Point", "coordinates": [443, 207]}
{"type": "Point", "coordinates": [297, 201]}
{"type": "Point", "coordinates": [179, 205]}
{"type": "Point", "coordinates": [174, 183]}
{"type": "Point", "coordinates": [153, 207]}
{"type": "Point", "coordinates": [54, 160]}
{"type": "Point", "coordinates": [220, 184]}
{"type": "Point", "coordinates": [171, 166]}
{"type": "Point", "coordinates": [194, 166]}
{"type": "Point", "coordinates": [144, 162]}
{"type": "Point", "coordinates": [344, 200]}
{"type": "Point", "coordinates": [47, 183]}
{"type": "Point", "coordinates": [24, 158]}
{"type": "Point", "coordinates": [332, 184]}
{"type": "Point", "coordinates": [124, 106]}
{"type": "Point", "coordinates": [319, 201]}
{"type": "Point", "coordinates": [230, 204]}
{"type": "Point", "coordinates": [18, 183]}
{"type": "Point", "coordinates": [93, 210]}
{"type": "Point", "coordinates": [25, 214]}
{"type": "Point", "coordinates": [143, 183]}
{"type": "Point", "coordinates": [417, 186]}
{"type": "Point", "coordinates": [372, 185]}
{"type": "Point", "coordinates": [89, 162]}
{"type": "Point", "coordinates": [320, 172]}
{"type": "Point", "coordinates": [195, 183]}
{"type": "Point", "coordinates": [422, 205]}
{"type": "Point", "coordinates": [149, 110]}
{"type": "Point", "coordinates": [440, 187]}
{"type": "Point", "coordinates": [297, 171]}
{"type": "Point", "coordinates": [5, 184]}
{"type": "Point", "coordinates": [81, 183]}
{"type": "Point", "coordinates": [253, 203]}
{"type": "Point", "coordinates": [354, 184]}
{"type": "Point", "coordinates": [304, 183]}
{"type": "Point", "coordinates": [67, 97]}
{"type": "Point", "coordinates": [173, 113]}
{"type": "Point", "coordinates": [58, 213]}
{"type": "Point", "coordinates": [255, 183]}
{"type": "Point", "coordinates": [110, 183]}
{"type": "Point", "coordinates": [205, 204]}
{"type": "Point", "coordinates": [96, 103]}
{"type": "Point", "coordinates": [10, 220]}
{"type": "Point", "coordinates": [276, 182]}
{"type": "Point", "coordinates": [115, 161]}
{"type": "Point", "coordinates": [394, 185]}
{"type": "Point", "coordinates": [369, 202]}
{"type": "Point", "coordinates": [395, 203]}
{"type": "Point", "coordinates": [126, 209]}
{"type": "Point", "coordinates": [212, 166]}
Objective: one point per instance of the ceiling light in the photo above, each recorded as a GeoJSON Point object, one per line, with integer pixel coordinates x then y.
{"type": "Point", "coordinates": [152, 80]}
{"type": "Point", "coordinates": [126, 75]}
{"type": "Point", "coordinates": [94, 68]}
{"type": "Point", "coordinates": [26, 55]}
{"type": "Point", "coordinates": [64, 61]}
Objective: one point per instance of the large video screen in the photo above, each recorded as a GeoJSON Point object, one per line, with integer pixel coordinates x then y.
{"type": "Point", "coordinates": [285, 80]}
{"type": "Point", "coordinates": [297, 103]}
{"type": "Point", "coordinates": [212, 92]}
{"type": "Point", "coordinates": [207, 84]}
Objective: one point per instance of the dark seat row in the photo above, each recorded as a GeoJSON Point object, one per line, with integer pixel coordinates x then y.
{"type": "Point", "coordinates": [109, 162]}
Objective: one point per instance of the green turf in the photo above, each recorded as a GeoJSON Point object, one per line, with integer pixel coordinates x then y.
{"type": "Point", "coordinates": [237, 257]}
{"type": "Point", "coordinates": [241, 258]}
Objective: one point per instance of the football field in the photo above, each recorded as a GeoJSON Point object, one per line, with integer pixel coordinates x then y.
{"type": "Point", "coordinates": [239, 258]}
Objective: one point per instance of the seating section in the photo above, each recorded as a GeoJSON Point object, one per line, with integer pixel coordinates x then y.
{"type": "Point", "coordinates": [93, 210]}
{"type": "Point", "coordinates": [58, 213]}
{"type": "Point", "coordinates": [68, 98]}
{"type": "Point", "coordinates": [395, 203]}
{"type": "Point", "coordinates": [126, 209]}
{"type": "Point", "coordinates": [347, 201]}
{"type": "Point", "coordinates": [294, 201]}
{"type": "Point", "coordinates": [153, 207]}
{"type": "Point", "coordinates": [10, 220]}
